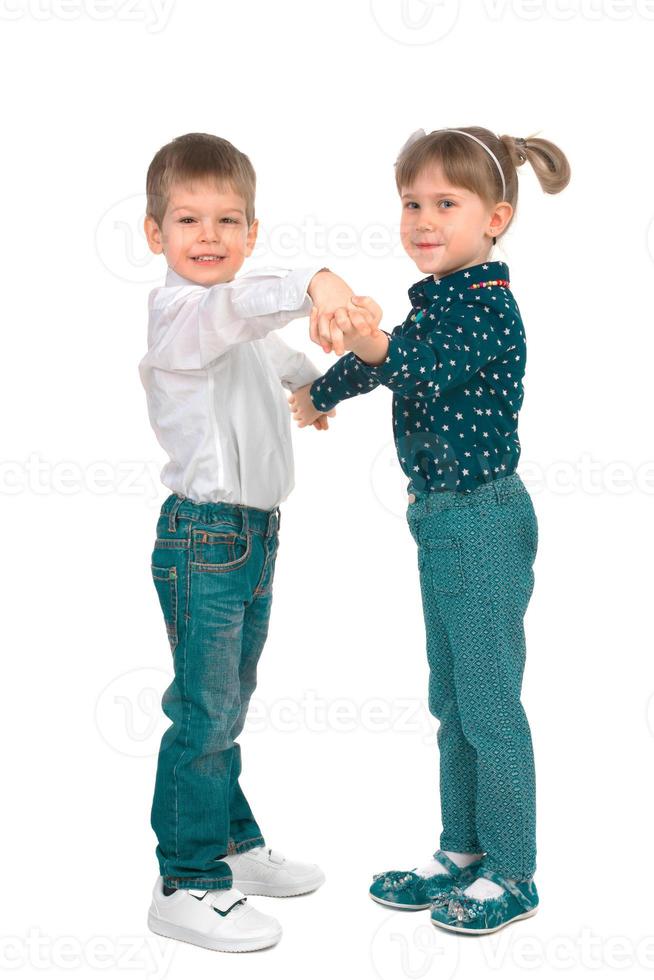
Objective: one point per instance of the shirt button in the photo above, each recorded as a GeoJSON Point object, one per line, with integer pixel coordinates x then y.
{"type": "Point", "coordinates": [412, 498]}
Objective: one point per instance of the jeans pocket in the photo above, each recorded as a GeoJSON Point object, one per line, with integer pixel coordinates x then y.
{"type": "Point", "coordinates": [221, 550]}
{"type": "Point", "coordinates": [165, 581]}
{"type": "Point", "coordinates": [443, 563]}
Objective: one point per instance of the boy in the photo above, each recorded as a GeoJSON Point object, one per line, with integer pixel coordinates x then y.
{"type": "Point", "coordinates": [213, 376]}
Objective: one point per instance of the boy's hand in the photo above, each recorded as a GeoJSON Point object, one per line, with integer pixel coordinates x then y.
{"type": "Point", "coordinates": [328, 291]}
{"type": "Point", "coordinates": [303, 410]}
{"type": "Point", "coordinates": [322, 421]}
{"type": "Point", "coordinates": [348, 326]}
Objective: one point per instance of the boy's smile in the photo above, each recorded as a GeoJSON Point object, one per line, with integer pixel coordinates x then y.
{"type": "Point", "coordinates": [445, 228]}
{"type": "Point", "coordinates": [204, 233]}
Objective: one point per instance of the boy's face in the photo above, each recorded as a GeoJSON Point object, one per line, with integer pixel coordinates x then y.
{"type": "Point", "coordinates": [444, 228]}
{"type": "Point", "coordinates": [204, 233]}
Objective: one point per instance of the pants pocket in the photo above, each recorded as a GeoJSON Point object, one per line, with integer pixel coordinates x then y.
{"type": "Point", "coordinates": [165, 581]}
{"type": "Point", "coordinates": [443, 564]}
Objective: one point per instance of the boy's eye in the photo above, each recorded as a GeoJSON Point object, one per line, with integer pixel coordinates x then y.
{"type": "Point", "coordinates": [410, 205]}
{"type": "Point", "coordinates": [188, 220]}
{"type": "Point", "coordinates": [447, 202]}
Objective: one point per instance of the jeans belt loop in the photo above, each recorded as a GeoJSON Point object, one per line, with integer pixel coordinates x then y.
{"type": "Point", "coordinates": [498, 491]}
{"type": "Point", "coordinates": [273, 522]}
{"type": "Point", "coordinates": [172, 516]}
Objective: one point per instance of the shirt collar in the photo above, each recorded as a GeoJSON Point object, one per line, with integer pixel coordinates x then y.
{"type": "Point", "coordinates": [425, 292]}
{"type": "Point", "coordinates": [174, 279]}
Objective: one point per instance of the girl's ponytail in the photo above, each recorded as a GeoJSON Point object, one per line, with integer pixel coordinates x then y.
{"type": "Point", "coordinates": [549, 163]}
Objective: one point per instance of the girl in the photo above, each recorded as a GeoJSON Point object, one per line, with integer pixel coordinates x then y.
{"type": "Point", "coordinates": [456, 367]}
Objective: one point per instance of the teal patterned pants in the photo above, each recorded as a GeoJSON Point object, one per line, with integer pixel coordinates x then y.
{"type": "Point", "coordinates": [475, 553]}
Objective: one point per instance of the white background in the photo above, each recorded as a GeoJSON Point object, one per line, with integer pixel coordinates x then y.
{"type": "Point", "coordinates": [321, 96]}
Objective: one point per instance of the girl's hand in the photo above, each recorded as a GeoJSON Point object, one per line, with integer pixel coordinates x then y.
{"type": "Point", "coordinates": [303, 410]}
{"type": "Point", "coordinates": [360, 318]}
{"type": "Point", "coordinates": [324, 331]}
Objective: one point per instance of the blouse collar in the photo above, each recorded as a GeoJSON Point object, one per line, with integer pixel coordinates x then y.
{"type": "Point", "coordinates": [463, 281]}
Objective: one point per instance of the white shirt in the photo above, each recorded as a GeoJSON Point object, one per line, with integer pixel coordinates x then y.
{"type": "Point", "coordinates": [213, 377]}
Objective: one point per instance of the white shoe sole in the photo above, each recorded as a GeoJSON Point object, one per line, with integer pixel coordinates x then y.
{"type": "Point", "coordinates": [484, 932]}
{"type": "Point", "coordinates": [397, 905]}
{"type": "Point", "coordinates": [269, 890]}
{"type": "Point", "coordinates": [173, 931]}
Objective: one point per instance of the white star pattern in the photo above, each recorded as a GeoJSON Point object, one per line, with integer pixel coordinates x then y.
{"type": "Point", "coordinates": [441, 339]}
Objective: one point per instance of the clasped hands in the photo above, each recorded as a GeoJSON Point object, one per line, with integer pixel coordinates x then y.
{"type": "Point", "coordinates": [339, 322]}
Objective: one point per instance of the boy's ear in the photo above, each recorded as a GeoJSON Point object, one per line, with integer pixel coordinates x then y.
{"type": "Point", "coordinates": [253, 230]}
{"type": "Point", "coordinates": [153, 235]}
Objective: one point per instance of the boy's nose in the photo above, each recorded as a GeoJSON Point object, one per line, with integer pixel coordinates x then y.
{"type": "Point", "coordinates": [208, 233]}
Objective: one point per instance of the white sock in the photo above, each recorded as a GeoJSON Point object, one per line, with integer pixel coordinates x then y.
{"type": "Point", "coordinates": [464, 859]}
{"type": "Point", "coordinates": [434, 867]}
{"type": "Point", "coordinates": [482, 888]}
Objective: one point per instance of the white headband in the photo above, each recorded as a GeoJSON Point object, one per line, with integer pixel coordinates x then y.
{"type": "Point", "coordinates": [419, 133]}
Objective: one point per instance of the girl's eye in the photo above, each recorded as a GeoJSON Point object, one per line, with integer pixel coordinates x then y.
{"type": "Point", "coordinates": [447, 202]}
{"type": "Point", "coordinates": [183, 221]}
{"type": "Point", "coordinates": [411, 205]}
{"type": "Point", "coordinates": [231, 221]}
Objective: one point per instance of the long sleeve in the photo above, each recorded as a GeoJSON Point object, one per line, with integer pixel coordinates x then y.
{"type": "Point", "coordinates": [468, 336]}
{"type": "Point", "coordinates": [348, 377]}
{"type": "Point", "coordinates": [190, 325]}
{"type": "Point", "coordinates": [294, 369]}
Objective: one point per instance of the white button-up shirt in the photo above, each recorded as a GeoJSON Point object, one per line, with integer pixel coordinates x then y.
{"type": "Point", "coordinates": [213, 377]}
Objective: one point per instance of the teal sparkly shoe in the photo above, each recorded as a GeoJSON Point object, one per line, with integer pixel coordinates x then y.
{"type": "Point", "coordinates": [411, 892]}
{"type": "Point", "coordinates": [462, 913]}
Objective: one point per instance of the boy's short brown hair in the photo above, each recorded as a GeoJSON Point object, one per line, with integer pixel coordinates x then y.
{"type": "Point", "coordinates": [198, 156]}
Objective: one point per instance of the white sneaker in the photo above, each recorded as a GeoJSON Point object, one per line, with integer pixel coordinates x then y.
{"type": "Point", "coordinates": [262, 871]}
{"type": "Point", "coordinates": [216, 919]}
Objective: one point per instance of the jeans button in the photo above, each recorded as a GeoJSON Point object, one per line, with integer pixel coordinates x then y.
{"type": "Point", "coordinates": [412, 498]}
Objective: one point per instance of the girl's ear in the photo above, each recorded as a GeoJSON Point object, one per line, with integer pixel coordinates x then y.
{"type": "Point", "coordinates": [500, 218]}
{"type": "Point", "coordinates": [253, 230]}
{"type": "Point", "coordinates": [153, 235]}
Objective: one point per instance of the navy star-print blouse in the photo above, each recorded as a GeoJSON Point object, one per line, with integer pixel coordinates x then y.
{"type": "Point", "coordinates": [455, 367]}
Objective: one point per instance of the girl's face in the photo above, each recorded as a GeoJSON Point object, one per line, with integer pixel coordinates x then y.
{"type": "Point", "coordinates": [444, 228]}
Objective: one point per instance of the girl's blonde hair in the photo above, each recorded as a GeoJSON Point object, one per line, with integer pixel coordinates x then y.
{"type": "Point", "coordinates": [467, 164]}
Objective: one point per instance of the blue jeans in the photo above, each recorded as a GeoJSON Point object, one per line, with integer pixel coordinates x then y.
{"type": "Point", "coordinates": [476, 553]}
{"type": "Point", "coordinates": [213, 566]}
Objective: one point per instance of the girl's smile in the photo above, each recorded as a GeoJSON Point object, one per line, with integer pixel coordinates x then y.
{"type": "Point", "coordinates": [444, 228]}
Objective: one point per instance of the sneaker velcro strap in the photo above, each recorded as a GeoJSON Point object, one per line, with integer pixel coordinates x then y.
{"type": "Point", "coordinates": [223, 900]}
{"type": "Point", "coordinates": [507, 884]}
{"type": "Point", "coordinates": [275, 856]}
